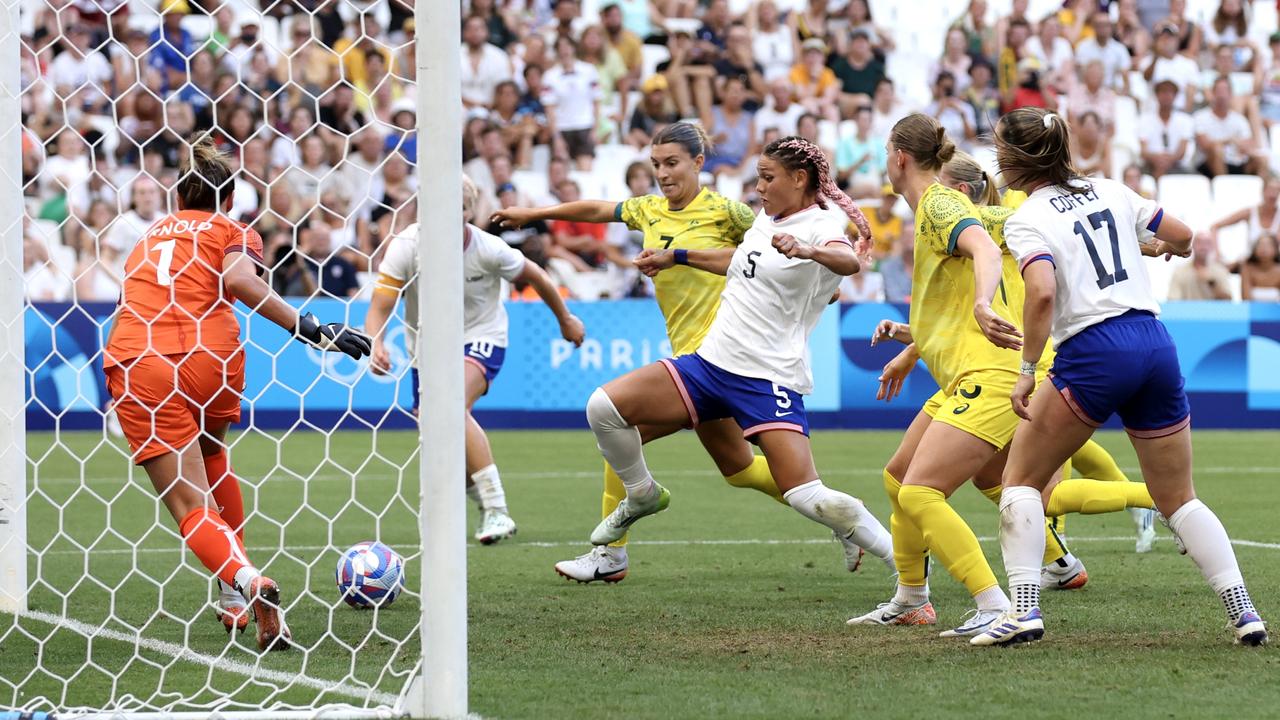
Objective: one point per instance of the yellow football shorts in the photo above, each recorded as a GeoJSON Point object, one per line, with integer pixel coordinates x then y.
{"type": "Point", "coordinates": [979, 406]}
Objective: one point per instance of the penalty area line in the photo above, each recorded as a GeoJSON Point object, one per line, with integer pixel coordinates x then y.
{"type": "Point", "coordinates": [222, 664]}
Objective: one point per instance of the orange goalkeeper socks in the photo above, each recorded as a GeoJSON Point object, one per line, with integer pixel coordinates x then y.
{"type": "Point", "coordinates": [217, 546]}
{"type": "Point", "coordinates": [225, 487]}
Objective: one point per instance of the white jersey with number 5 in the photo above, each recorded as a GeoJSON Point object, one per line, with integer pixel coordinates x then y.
{"type": "Point", "coordinates": [771, 303]}
{"type": "Point", "coordinates": [1090, 234]}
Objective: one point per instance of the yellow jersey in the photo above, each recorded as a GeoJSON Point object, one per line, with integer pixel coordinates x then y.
{"type": "Point", "coordinates": [688, 297]}
{"type": "Point", "coordinates": [942, 293]}
{"type": "Point", "coordinates": [1011, 292]}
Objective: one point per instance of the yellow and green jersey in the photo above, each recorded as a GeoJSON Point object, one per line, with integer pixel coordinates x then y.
{"type": "Point", "coordinates": [688, 297]}
{"type": "Point", "coordinates": [942, 293]}
{"type": "Point", "coordinates": [1012, 292]}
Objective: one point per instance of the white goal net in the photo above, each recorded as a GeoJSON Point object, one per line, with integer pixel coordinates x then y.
{"type": "Point", "coordinates": [314, 102]}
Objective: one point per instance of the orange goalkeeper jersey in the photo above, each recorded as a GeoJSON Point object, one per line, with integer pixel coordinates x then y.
{"type": "Point", "coordinates": [172, 301]}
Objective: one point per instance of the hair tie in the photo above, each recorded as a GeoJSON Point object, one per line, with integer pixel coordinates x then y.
{"type": "Point", "coordinates": [1048, 120]}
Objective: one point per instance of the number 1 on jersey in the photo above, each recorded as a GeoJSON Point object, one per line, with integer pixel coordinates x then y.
{"type": "Point", "coordinates": [166, 259]}
{"type": "Point", "coordinates": [1105, 279]}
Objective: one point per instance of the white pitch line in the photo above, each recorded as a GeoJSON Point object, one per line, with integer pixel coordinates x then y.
{"type": "Point", "coordinates": [177, 549]}
{"type": "Point", "coordinates": [222, 664]}
{"type": "Point", "coordinates": [412, 476]}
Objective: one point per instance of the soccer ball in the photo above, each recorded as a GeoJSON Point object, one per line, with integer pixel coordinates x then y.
{"type": "Point", "coordinates": [370, 575]}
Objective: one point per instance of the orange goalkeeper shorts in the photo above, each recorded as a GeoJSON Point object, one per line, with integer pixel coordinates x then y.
{"type": "Point", "coordinates": [165, 401]}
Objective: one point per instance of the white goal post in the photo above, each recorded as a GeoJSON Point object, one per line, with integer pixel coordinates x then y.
{"type": "Point", "coordinates": [47, 471]}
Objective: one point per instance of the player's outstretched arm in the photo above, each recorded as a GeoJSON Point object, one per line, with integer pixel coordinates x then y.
{"type": "Point", "coordinates": [381, 305]}
{"type": "Point", "coordinates": [1037, 319]}
{"type": "Point", "coordinates": [975, 243]}
{"type": "Point", "coordinates": [592, 211]}
{"type": "Point", "coordinates": [651, 262]}
{"type": "Point", "coordinates": [571, 328]}
{"type": "Point", "coordinates": [240, 276]}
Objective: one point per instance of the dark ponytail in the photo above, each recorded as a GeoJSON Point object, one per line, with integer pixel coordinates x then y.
{"type": "Point", "coordinates": [1033, 147]}
{"type": "Point", "coordinates": [204, 175]}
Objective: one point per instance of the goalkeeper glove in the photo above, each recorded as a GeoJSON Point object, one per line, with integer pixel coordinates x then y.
{"type": "Point", "coordinates": [332, 337]}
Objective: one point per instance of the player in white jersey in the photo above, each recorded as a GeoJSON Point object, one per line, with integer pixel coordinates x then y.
{"type": "Point", "coordinates": [752, 364]}
{"type": "Point", "coordinates": [1080, 244]}
{"type": "Point", "coordinates": [486, 262]}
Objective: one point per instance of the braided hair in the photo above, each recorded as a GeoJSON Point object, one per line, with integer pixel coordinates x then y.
{"type": "Point", "coordinates": [795, 153]}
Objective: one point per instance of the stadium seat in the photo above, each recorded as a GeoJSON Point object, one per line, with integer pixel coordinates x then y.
{"type": "Point", "coordinates": [532, 184]}
{"type": "Point", "coordinates": [729, 186]}
{"type": "Point", "coordinates": [828, 134]}
{"type": "Point", "coordinates": [1187, 196]}
{"type": "Point", "coordinates": [1126, 134]}
{"type": "Point", "coordinates": [593, 185]}
{"type": "Point", "coordinates": [652, 55]}
{"type": "Point", "coordinates": [910, 73]}
{"type": "Point", "coordinates": [1232, 193]}
{"type": "Point", "coordinates": [540, 158]}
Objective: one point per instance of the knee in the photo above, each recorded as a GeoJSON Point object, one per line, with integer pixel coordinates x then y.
{"type": "Point", "coordinates": [602, 414]}
{"type": "Point", "coordinates": [913, 499]}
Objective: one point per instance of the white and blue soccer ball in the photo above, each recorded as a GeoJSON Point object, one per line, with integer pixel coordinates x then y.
{"type": "Point", "coordinates": [370, 575]}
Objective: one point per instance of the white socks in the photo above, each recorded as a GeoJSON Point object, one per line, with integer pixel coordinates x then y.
{"type": "Point", "coordinates": [488, 489]}
{"type": "Point", "coordinates": [910, 595]}
{"type": "Point", "coordinates": [1206, 542]}
{"type": "Point", "coordinates": [244, 576]}
{"type": "Point", "coordinates": [620, 444]}
{"type": "Point", "coordinates": [844, 514]}
{"type": "Point", "coordinates": [1022, 544]}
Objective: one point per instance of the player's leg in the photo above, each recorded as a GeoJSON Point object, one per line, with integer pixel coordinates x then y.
{"type": "Point", "coordinates": [482, 473]}
{"type": "Point", "coordinates": [1093, 461]}
{"type": "Point", "coordinates": [733, 457]}
{"type": "Point", "coordinates": [609, 563]}
{"type": "Point", "coordinates": [1038, 452]}
{"type": "Point", "coordinates": [1166, 462]}
{"type": "Point", "coordinates": [910, 603]}
{"type": "Point", "coordinates": [945, 459]}
{"type": "Point", "coordinates": [656, 394]}
{"type": "Point", "coordinates": [791, 463]}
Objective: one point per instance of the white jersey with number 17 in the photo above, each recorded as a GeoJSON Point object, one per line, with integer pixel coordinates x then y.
{"type": "Point", "coordinates": [1091, 235]}
{"type": "Point", "coordinates": [771, 303]}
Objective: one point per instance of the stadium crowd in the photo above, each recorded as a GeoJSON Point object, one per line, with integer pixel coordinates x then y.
{"type": "Point", "coordinates": [315, 101]}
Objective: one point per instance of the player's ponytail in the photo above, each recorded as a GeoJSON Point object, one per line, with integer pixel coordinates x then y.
{"type": "Point", "coordinates": [796, 153]}
{"type": "Point", "coordinates": [963, 169]}
{"type": "Point", "coordinates": [1033, 148]}
{"type": "Point", "coordinates": [690, 136]}
{"type": "Point", "coordinates": [204, 175]}
{"type": "Point", "coordinates": [922, 138]}
{"type": "Point", "coordinates": [470, 196]}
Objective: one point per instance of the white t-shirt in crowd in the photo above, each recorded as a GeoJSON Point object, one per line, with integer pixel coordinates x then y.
{"type": "Point", "coordinates": [1114, 56]}
{"type": "Point", "coordinates": [68, 73]}
{"type": "Point", "coordinates": [124, 233]}
{"type": "Point", "coordinates": [1158, 135]}
{"type": "Point", "coordinates": [1054, 58]}
{"type": "Point", "coordinates": [785, 121]}
{"type": "Point", "coordinates": [771, 303]}
{"type": "Point", "coordinates": [478, 82]}
{"type": "Point", "coordinates": [774, 51]}
{"type": "Point", "coordinates": [573, 93]}
{"type": "Point", "coordinates": [1100, 273]}
{"type": "Point", "coordinates": [1183, 71]}
{"type": "Point", "coordinates": [1233, 130]}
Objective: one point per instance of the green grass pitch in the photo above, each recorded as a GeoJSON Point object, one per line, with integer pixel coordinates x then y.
{"type": "Point", "coordinates": [734, 606]}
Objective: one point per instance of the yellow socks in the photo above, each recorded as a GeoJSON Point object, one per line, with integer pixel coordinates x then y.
{"type": "Point", "coordinates": [1091, 497]}
{"type": "Point", "coordinates": [948, 536]}
{"type": "Point", "coordinates": [1092, 461]}
{"type": "Point", "coordinates": [910, 553]}
{"type": "Point", "coordinates": [757, 477]}
{"type": "Point", "coordinates": [614, 493]}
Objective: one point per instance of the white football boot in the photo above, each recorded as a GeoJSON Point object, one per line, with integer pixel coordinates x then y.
{"type": "Point", "coordinates": [895, 613]}
{"type": "Point", "coordinates": [495, 525]}
{"type": "Point", "coordinates": [1011, 629]}
{"type": "Point", "coordinates": [602, 562]}
{"type": "Point", "coordinates": [977, 621]}
{"type": "Point", "coordinates": [1144, 519]}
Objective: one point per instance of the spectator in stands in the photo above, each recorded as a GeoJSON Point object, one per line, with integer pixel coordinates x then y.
{"type": "Point", "coordinates": [983, 97]}
{"type": "Point", "coordinates": [1262, 219]}
{"type": "Point", "coordinates": [1090, 151]}
{"type": "Point", "coordinates": [628, 45]}
{"type": "Point", "coordinates": [1056, 56]}
{"type": "Point", "coordinates": [1031, 90]}
{"type": "Point", "coordinates": [737, 61]}
{"type": "Point", "coordinates": [171, 45]}
{"type": "Point", "coordinates": [886, 108]}
{"type": "Point", "coordinates": [713, 37]}
{"type": "Point", "coordinates": [81, 76]}
{"type": "Point", "coordinates": [500, 32]}
{"type": "Point", "coordinates": [861, 157]}
{"type": "Point", "coordinates": [886, 226]}
{"type": "Point", "coordinates": [773, 41]}
{"type": "Point", "coordinates": [981, 37]}
{"type": "Point", "coordinates": [862, 287]}
{"type": "Point", "coordinates": [571, 96]}
{"type": "Point", "coordinates": [1187, 33]}
{"type": "Point", "coordinates": [688, 73]}
{"type": "Point", "coordinates": [1132, 179]}
{"type": "Point", "coordinates": [403, 133]}
{"type": "Point", "coordinates": [732, 130]}
{"type": "Point", "coordinates": [1130, 31]}
{"type": "Point", "coordinates": [858, 70]}
{"type": "Point", "coordinates": [1229, 27]}
{"type": "Point", "coordinates": [81, 233]}
{"type": "Point", "coordinates": [816, 86]}
{"type": "Point", "coordinates": [580, 244]}
{"type": "Point", "coordinates": [955, 59]}
{"type": "Point", "coordinates": [42, 279]}
{"type": "Point", "coordinates": [615, 81]}
{"type": "Point", "coordinates": [1204, 278]}
{"type": "Point", "coordinates": [780, 112]}
{"type": "Point", "coordinates": [1268, 82]}
{"type": "Point", "coordinates": [1260, 273]}
{"type": "Point", "coordinates": [857, 17]}
{"type": "Point", "coordinates": [519, 131]}
{"type": "Point", "coordinates": [897, 269]}
{"type": "Point", "coordinates": [479, 169]}
{"type": "Point", "coordinates": [304, 178]}
{"type": "Point", "coordinates": [566, 21]}
{"type": "Point", "coordinates": [1242, 84]}
{"type": "Point", "coordinates": [1094, 96]}
{"type": "Point", "coordinates": [1168, 64]}
{"type": "Point", "coordinates": [1102, 46]}
{"type": "Point", "coordinates": [954, 114]}
{"type": "Point", "coordinates": [1224, 140]}
{"type": "Point", "coordinates": [811, 23]}
{"type": "Point", "coordinates": [483, 65]}
{"type": "Point", "coordinates": [339, 114]}
{"type": "Point", "coordinates": [1009, 67]}
{"type": "Point", "coordinates": [1166, 134]}
{"type": "Point", "coordinates": [531, 239]}
{"type": "Point", "coordinates": [65, 178]}
{"type": "Point", "coordinates": [807, 128]}
{"type": "Point", "coordinates": [654, 112]}
{"type": "Point", "coordinates": [145, 208]}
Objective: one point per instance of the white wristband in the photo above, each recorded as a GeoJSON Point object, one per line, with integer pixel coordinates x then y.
{"type": "Point", "coordinates": [1028, 368]}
